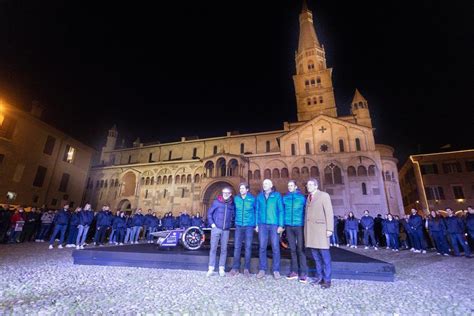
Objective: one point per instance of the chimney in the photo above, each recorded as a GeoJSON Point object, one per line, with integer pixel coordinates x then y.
{"type": "Point", "coordinates": [36, 109]}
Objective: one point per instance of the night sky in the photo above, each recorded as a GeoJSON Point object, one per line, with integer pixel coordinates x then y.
{"type": "Point", "coordinates": [165, 69]}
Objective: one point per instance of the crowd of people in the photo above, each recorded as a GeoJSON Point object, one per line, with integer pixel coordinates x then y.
{"type": "Point", "coordinates": [446, 233]}
{"type": "Point", "coordinates": [82, 226]}
{"type": "Point", "coordinates": [306, 221]}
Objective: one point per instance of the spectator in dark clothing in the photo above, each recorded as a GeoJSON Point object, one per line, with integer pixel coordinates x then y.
{"type": "Point", "coordinates": [378, 230]}
{"type": "Point", "coordinates": [352, 225]}
{"type": "Point", "coordinates": [86, 216]}
{"type": "Point", "coordinates": [455, 229]}
{"type": "Point", "coordinates": [367, 223]}
{"type": "Point", "coordinates": [197, 220]}
{"type": "Point", "coordinates": [393, 230]}
{"type": "Point", "coordinates": [29, 227]}
{"type": "Point", "coordinates": [416, 227]}
{"type": "Point", "coordinates": [437, 229]}
{"type": "Point", "coordinates": [4, 223]}
{"type": "Point", "coordinates": [184, 220]}
{"type": "Point", "coordinates": [469, 225]}
{"type": "Point", "coordinates": [73, 228]}
{"type": "Point", "coordinates": [61, 220]}
{"type": "Point", "coordinates": [120, 225]}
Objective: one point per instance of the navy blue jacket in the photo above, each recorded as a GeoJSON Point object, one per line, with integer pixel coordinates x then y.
{"type": "Point", "coordinates": [294, 205]}
{"type": "Point", "coordinates": [86, 217]}
{"type": "Point", "coordinates": [454, 225]}
{"type": "Point", "coordinates": [184, 220]}
{"type": "Point", "coordinates": [436, 225]}
{"type": "Point", "coordinates": [415, 222]}
{"type": "Point", "coordinates": [147, 219]}
{"type": "Point", "coordinates": [221, 213]}
{"type": "Point", "coordinates": [119, 222]}
{"type": "Point", "coordinates": [74, 219]}
{"type": "Point", "coordinates": [367, 222]}
{"type": "Point", "coordinates": [167, 222]}
{"type": "Point", "coordinates": [62, 217]}
{"type": "Point", "coordinates": [129, 222]}
{"type": "Point", "coordinates": [197, 221]}
{"type": "Point", "coordinates": [470, 222]}
{"type": "Point", "coordinates": [392, 227]}
{"type": "Point", "coordinates": [352, 224]}
{"type": "Point", "coordinates": [406, 226]}
{"type": "Point", "coordinates": [138, 220]}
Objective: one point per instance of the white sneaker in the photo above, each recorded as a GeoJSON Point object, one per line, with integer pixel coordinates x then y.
{"type": "Point", "coordinates": [355, 246]}
{"type": "Point", "coordinates": [375, 248]}
{"type": "Point", "coordinates": [387, 248]}
{"type": "Point", "coordinates": [78, 247]}
{"type": "Point", "coordinates": [412, 249]}
{"type": "Point", "coordinates": [51, 247]}
{"type": "Point", "coordinates": [424, 251]}
{"type": "Point", "coordinates": [210, 272]}
{"type": "Point", "coordinates": [337, 245]}
{"type": "Point", "coordinates": [221, 271]}
{"type": "Point", "coordinates": [121, 244]}
{"type": "Point", "coordinates": [416, 251]}
{"type": "Point", "coordinates": [396, 250]}
{"type": "Point", "coordinates": [366, 247]}
{"type": "Point", "coordinates": [347, 245]}
{"type": "Point", "coordinates": [60, 247]}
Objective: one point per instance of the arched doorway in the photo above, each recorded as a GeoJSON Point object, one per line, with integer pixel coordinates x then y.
{"type": "Point", "coordinates": [124, 205]}
{"type": "Point", "coordinates": [211, 192]}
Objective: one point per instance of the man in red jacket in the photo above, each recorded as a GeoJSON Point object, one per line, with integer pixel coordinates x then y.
{"type": "Point", "coordinates": [16, 221]}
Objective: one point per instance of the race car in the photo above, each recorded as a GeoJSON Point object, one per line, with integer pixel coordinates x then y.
{"type": "Point", "coordinates": [192, 238]}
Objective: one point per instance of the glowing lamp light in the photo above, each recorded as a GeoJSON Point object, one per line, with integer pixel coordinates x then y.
{"type": "Point", "coordinates": [460, 200]}
{"type": "Point", "coordinates": [2, 114]}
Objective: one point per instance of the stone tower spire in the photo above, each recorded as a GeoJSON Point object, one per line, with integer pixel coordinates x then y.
{"type": "Point", "coordinates": [360, 110]}
{"type": "Point", "coordinates": [313, 82]}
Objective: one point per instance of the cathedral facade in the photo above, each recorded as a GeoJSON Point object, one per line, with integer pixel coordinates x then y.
{"type": "Point", "coordinates": [340, 151]}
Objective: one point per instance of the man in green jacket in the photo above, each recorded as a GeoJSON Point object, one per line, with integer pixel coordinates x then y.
{"type": "Point", "coordinates": [244, 226]}
{"type": "Point", "coordinates": [269, 212]}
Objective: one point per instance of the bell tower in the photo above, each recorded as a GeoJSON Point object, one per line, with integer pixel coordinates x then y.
{"type": "Point", "coordinates": [313, 81]}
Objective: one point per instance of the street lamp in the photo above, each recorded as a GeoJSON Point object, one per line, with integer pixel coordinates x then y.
{"type": "Point", "coordinates": [2, 114]}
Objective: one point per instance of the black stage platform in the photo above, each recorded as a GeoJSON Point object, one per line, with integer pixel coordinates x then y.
{"type": "Point", "coordinates": [345, 264]}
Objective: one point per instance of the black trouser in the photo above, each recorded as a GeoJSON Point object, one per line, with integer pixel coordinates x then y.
{"type": "Point", "coordinates": [295, 241]}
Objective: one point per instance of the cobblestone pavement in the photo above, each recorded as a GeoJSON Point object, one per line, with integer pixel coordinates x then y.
{"type": "Point", "coordinates": [36, 280]}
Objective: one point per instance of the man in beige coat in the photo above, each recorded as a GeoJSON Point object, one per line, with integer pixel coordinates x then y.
{"type": "Point", "coordinates": [319, 224]}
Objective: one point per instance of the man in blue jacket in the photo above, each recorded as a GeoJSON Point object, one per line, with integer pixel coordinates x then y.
{"type": "Point", "coordinates": [103, 222]}
{"type": "Point", "coordinates": [184, 220]}
{"type": "Point", "coordinates": [61, 220]}
{"type": "Point", "coordinates": [269, 219]}
{"type": "Point", "coordinates": [197, 220]}
{"type": "Point", "coordinates": [455, 230]}
{"type": "Point", "coordinates": [220, 216]}
{"type": "Point", "coordinates": [293, 219]}
{"type": "Point", "coordinates": [470, 222]}
{"type": "Point", "coordinates": [367, 223]}
{"type": "Point", "coordinates": [86, 216]}
{"type": "Point", "coordinates": [137, 223]}
{"type": "Point", "coordinates": [416, 226]}
{"type": "Point", "coordinates": [244, 226]}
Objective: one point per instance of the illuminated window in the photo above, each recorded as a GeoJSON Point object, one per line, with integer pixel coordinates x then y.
{"type": "Point", "coordinates": [69, 154]}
